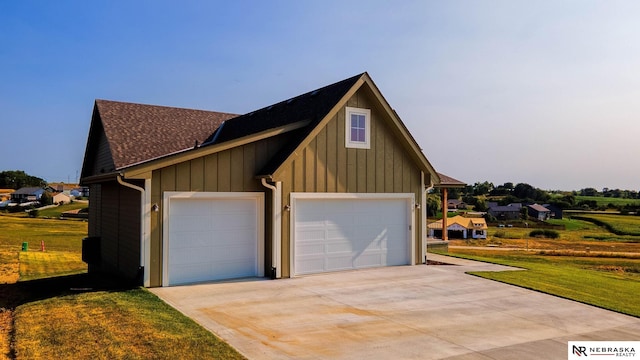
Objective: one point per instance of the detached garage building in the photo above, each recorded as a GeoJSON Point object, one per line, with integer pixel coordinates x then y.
{"type": "Point", "coordinates": [329, 180]}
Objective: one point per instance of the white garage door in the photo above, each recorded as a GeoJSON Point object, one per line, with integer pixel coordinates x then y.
{"type": "Point", "coordinates": [344, 234]}
{"type": "Point", "coordinates": [212, 238]}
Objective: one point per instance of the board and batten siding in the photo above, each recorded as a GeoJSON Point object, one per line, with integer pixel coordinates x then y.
{"type": "Point", "coordinates": [326, 165]}
{"type": "Point", "coordinates": [114, 216]}
{"type": "Point", "coordinates": [232, 170]}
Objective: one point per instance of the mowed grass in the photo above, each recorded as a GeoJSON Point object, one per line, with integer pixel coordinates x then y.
{"type": "Point", "coordinates": [37, 265]}
{"type": "Point", "coordinates": [609, 283]}
{"type": "Point", "coordinates": [45, 313]}
{"type": "Point", "coordinates": [58, 235]}
{"type": "Point", "coordinates": [604, 201]}
{"type": "Point", "coordinates": [621, 224]}
{"type": "Point", "coordinates": [131, 324]}
{"type": "Point", "coordinates": [55, 212]}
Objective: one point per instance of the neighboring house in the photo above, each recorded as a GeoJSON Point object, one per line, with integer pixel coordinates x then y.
{"type": "Point", "coordinates": [325, 181]}
{"type": "Point", "coordinates": [460, 227]}
{"type": "Point", "coordinates": [63, 187]}
{"type": "Point", "coordinates": [80, 191]}
{"type": "Point", "coordinates": [61, 197]}
{"type": "Point", "coordinates": [556, 212]}
{"type": "Point", "coordinates": [539, 212]}
{"type": "Point", "coordinates": [456, 204]}
{"type": "Point", "coordinates": [5, 194]}
{"type": "Point", "coordinates": [27, 194]}
{"type": "Point", "coordinates": [506, 212]}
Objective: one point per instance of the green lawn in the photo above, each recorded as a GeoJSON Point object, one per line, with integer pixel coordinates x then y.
{"type": "Point", "coordinates": [127, 324]}
{"type": "Point", "coordinates": [55, 212]}
{"type": "Point", "coordinates": [58, 235]}
{"type": "Point", "coordinates": [619, 224]}
{"type": "Point", "coordinates": [609, 283]}
{"type": "Point", "coordinates": [604, 201]}
{"type": "Point", "coordinates": [50, 308]}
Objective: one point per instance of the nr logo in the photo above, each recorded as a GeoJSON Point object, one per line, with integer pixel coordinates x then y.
{"type": "Point", "coordinates": [580, 350]}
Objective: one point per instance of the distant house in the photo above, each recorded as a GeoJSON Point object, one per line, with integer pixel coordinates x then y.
{"type": "Point", "coordinates": [63, 188]}
{"type": "Point", "coordinates": [460, 227]}
{"type": "Point", "coordinates": [505, 212]}
{"type": "Point", "coordinates": [80, 191]}
{"type": "Point", "coordinates": [556, 212]}
{"type": "Point", "coordinates": [27, 194]}
{"type": "Point", "coordinates": [455, 204]}
{"type": "Point", "coordinates": [61, 198]}
{"type": "Point", "coordinates": [539, 212]}
{"type": "Point", "coordinates": [5, 194]}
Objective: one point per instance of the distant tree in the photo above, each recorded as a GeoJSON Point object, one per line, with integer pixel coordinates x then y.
{"type": "Point", "coordinates": [16, 179]}
{"type": "Point", "coordinates": [453, 193]}
{"type": "Point", "coordinates": [470, 199]}
{"type": "Point", "coordinates": [433, 204]}
{"type": "Point", "coordinates": [523, 191]}
{"type": "Point", "coordinates": [46, 199]}
{"type": "Point", "coordinates": [589, 192]}
{"type": "Point", "coordinates": [483, 188]}
{"type": "Point", "coordinates": [570, 199]}
{"type": "Point", "coordinates": [480, 205]}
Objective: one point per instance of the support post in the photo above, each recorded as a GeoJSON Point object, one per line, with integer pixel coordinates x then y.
{"type": "Point", "coordinates": [445, 212]}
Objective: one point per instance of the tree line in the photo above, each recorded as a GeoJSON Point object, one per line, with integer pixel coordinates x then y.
{"type": "Point", "coordinates": [479, 194]}
{"type": "Point", "coordinates": [16, 179]}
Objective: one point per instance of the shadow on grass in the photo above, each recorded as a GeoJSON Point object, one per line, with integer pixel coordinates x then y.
{"type": "Point", "coordinates": [22, 292]}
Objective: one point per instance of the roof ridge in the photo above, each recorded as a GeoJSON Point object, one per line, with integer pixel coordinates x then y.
{"type": "Point", "coordinates": [162, 106]}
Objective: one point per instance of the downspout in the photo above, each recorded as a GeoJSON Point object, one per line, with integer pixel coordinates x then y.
{"type": "Point", "coordinates": [142, 224]}
{"type": "Point", "coordinates": [276, 227]}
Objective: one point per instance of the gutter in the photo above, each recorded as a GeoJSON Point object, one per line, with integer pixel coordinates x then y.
{"type": "Point", "coordinates": [143, 227]}
{"type": "Point", "coordinates": [276, 227]}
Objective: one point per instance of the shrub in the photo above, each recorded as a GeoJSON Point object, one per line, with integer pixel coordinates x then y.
{"type": "Point", "coordinates": [33, 213]}
{"type": "Point", "coordinates": [549, 234]}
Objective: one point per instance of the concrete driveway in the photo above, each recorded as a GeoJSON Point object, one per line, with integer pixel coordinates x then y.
{"type": "Point", "coordinates": [405, 312]}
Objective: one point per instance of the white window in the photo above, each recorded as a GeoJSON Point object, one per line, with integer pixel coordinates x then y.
{"type": "Point", "coordinates": [357, 128]}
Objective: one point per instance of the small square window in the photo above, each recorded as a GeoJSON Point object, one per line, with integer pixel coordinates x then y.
{"type": "Point", "coordinates": [357, 128]}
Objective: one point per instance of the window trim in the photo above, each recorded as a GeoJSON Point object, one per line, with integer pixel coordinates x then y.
{"type": "Point", "coordinates": [349, 143]}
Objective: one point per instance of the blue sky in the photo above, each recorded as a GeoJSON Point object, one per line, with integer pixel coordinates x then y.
{"type": "Point", "coordinates": [541, 92]}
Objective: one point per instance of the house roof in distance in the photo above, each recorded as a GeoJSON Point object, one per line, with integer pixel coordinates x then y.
{"type": "Point", "coordinates": [468, 223]}
{"type": "Point", "coordinates": [539, 208]}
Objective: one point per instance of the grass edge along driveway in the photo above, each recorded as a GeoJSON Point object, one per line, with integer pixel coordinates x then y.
{"type": "Point", "coordinates": [587, 280]}
{"type": "Point", "coordinates": [125, 324]}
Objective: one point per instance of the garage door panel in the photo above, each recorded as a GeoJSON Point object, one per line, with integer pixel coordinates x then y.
{"type": "Point", "coordinates": [340, 262]}
{"type": "Point", "coordinates": [212, 239]}
{"type": "Point", "coordinates": [309, 249]}
{"type": "Point", "coordinates": [339, 247]}
{"type": "Point", "coordinates": [191, 223]}
{"type": "Point", "coordinates": [341, 234]}
{"type": "Point", "coordinates": [195, 255]}
{"type": "Point", "coordinates": [370, 260]}
{"type": "Point", "coordinates": [190, 207]}
{"type": "Point", "coordinates": [184, 273]}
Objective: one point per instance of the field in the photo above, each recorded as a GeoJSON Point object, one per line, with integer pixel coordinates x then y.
{"type": "Point", "coordinates": [578, 265]}
{"type": "Point", "coordinates": [51, 308]}
{"type": "Point", "coordinates": [606, 282]}
{"type": "Point", "coordinates": [604, 201]}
